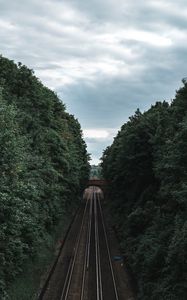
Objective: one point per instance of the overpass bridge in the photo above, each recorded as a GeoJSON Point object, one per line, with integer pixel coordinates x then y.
{"type": "Point", "coordinates": [101, 183]}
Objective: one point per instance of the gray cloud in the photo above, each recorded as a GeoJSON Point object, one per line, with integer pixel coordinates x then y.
{"type": "Point", "coordinates": [104, 58]}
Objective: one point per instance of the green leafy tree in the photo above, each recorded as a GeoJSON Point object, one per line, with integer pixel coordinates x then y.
{"type": "Point", "coordinates": [146, 166]}
{"type": "Point", "coordinates": [43, 164]}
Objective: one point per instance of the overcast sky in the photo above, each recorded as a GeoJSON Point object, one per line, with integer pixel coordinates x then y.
{"type": "Point", "coordinates": [104, 58]}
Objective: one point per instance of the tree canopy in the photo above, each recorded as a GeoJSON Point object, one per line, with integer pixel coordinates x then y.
{"type": "Point", "coordinates": [43, 166]}
{"type": "Point", "coordinates": [147, 169]}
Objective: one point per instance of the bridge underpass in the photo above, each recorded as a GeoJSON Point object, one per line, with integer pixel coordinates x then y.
{"type": "Point", "coordinates": [101, 183]}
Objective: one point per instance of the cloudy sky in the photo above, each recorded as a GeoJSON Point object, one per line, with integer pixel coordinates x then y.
{"type": "Point", "coordinates": [104, 58]}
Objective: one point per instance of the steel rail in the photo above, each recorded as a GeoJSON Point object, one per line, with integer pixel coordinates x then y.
{"type": "Point", "coordinates": [108, 251]}
{"type": "Point", "coordinates": [97, 252]}
{"type": "Point", "coordinates": [66, 287]}
{"type": "Point", "coordinates": [89, 232]}
{"type": "Point", "coordinates": [84, 273]}
{"type": "Point", "coordinates": [87, 249]}
{"type": "Point", "coordinates": [99, 260]}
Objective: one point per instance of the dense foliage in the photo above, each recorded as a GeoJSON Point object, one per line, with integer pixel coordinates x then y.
{"type": "Point", "coordinates": [95, 172]}
{"type": "Point", "coordinates": [147, 169]}
{"type": "Point", "coordinates": [43, 166]}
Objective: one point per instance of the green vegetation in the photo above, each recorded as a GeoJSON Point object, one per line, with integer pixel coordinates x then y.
{"type": "Point", "coordinates": [35, 270]}
{"type": "Point", "coordinates": [43, 167]}
{"type": "Point", "coordinates": [147, 169]}
{"type": "Point", "coordinates": [95, 172]}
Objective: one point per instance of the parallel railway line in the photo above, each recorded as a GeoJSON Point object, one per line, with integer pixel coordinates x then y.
{"type": "Point", "coordinates": [90, 274]}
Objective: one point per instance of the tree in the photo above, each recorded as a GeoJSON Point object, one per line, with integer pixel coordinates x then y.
{"type": "Point", "coordinates": [147, 169]}
{"type": "Point", "coordinates": [43, 164]}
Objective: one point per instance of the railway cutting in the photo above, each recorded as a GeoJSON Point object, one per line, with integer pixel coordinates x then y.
{"type": "Point", "coordinates": [86, 268]}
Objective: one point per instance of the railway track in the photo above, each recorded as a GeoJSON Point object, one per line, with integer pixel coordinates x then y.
{"type": "Point", "coordinates": [89, 274]}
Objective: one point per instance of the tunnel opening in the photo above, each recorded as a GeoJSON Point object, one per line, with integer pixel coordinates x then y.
{"type": "Point", "coordinates": [88, 192]}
